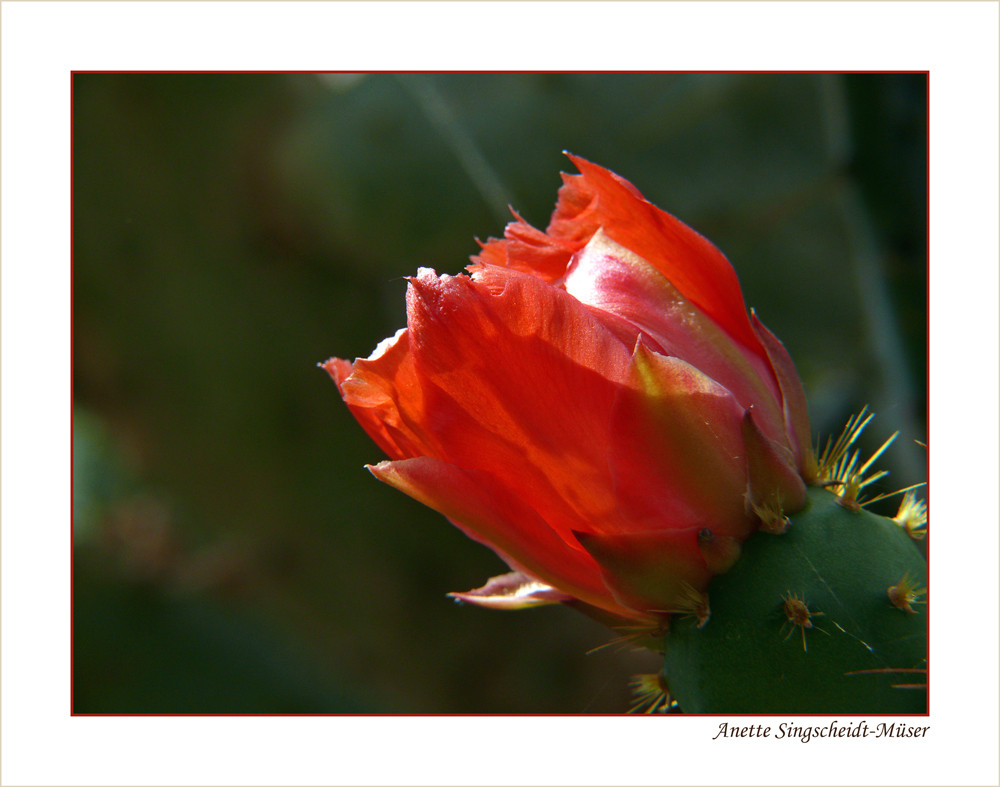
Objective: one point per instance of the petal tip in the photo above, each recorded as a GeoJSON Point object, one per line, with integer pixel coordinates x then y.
{"type": "Point", "coordinates": [338, 369]}
{"type": "Point", "coordinates": [512, 591]}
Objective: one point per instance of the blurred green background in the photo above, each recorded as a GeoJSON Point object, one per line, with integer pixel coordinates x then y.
{"type": "Point", "coordinates": [232, 231]}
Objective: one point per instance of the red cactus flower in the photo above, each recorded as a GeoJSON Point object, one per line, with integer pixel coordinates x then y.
{"type": "Point", "coordinates": [593, 403]}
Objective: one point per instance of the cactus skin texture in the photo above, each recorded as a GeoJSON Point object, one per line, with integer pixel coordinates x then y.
{"type": "Point", "coordinates": [750, 657]}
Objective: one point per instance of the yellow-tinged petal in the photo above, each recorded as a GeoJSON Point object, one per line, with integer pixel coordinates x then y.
{"type": "Point", "coordinates": [617, 281]}
{"type": "Point", "coordinates": [677, 451]}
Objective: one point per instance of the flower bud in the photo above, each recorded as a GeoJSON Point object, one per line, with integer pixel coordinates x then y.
{"type": "Point", "coordinates": [593, 403]}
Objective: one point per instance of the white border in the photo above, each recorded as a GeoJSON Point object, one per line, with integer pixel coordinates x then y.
{"type": "Point", "coordinates": [42, 42]}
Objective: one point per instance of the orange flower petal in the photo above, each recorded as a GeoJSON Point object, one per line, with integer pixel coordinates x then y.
{"type": "Point", "coordinates": [599, 198]}
{"type": "Point", "coordinates": [372, 389]}
{"type": "Point", "coordinates": [518, 378]}
{"type": "Point", "coordinates": [526, 249]}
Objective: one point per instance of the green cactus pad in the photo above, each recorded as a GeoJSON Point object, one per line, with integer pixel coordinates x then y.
{"type": "Point", "coordinates": [749, 657]}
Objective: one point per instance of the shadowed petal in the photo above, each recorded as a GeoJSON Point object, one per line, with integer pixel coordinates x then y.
{"type": "Point", "coordinates": [774, 483]}
{"type": "Point", "coordinates": [649, 570]}
{"type": "Point", "coordinates": [796, 411]}
{"type": "Point", "coordinates": [491, 513]}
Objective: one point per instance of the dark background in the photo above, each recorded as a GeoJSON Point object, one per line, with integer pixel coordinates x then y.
{"type": "Point", "coordinates": [231, 231]}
